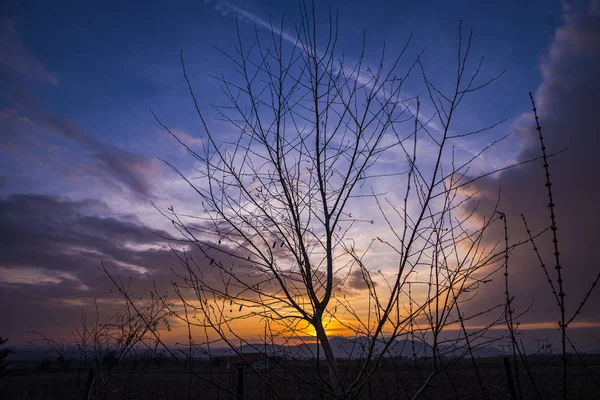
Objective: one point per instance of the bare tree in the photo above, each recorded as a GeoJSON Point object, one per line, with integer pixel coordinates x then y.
{"type": "Point", "coordinates": [282, 234]}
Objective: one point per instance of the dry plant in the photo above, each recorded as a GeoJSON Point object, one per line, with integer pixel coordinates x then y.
{"type": "Point", "coordinates": [98, 347]}
{"type": "Point", "coordinates": [4, 353]}
{"type": "Point", "coordinates": [556, 283]}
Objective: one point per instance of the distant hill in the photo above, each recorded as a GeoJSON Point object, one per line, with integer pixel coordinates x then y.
{"type": "Point", "coordinates": [343, 347]}
{"type": "Point", "coordinates": [357, 348]}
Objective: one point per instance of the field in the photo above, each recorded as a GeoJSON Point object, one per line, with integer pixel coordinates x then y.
{"type": "Point", "coordinates": [297, 381]}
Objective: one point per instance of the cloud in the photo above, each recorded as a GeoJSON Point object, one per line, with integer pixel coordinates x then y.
{"type": "Point", "coordinates": [59, 234]}
{"type": "Point", "coordinates": [191, 141]}
{"type": "Point", "coordinates": [15, 127]}
{"type": "Point", "coordinates": [133, 171]}
{"type": "Point", "coordinates": [51, 253]}
{"type": "Point", "coordinates": [37, 276]}
{"type": "Point", "coordinates": [50, 257]}
{"type": "Point", "coordinates": [16, 57]}
{"type": "Point", "coordinates": [567, 104]}
{"type": "Point", "coordinates": [116, 168]}
{"type": "Point", "coordinates": [357, 281]}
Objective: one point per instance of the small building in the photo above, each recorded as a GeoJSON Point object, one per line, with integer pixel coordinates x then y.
{"type": "Point", "coordinates": [258, 361]}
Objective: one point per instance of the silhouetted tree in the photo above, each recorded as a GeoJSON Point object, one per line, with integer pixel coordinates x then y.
{"type": "Point", "coordinates": [4, 353]}
{"type": "Point", "coordinates": [284, 199]}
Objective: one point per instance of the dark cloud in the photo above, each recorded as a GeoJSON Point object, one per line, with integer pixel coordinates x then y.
{"type": "Point", "coordinates": [50, 256]}
{"type": "Point", "coordinates": [567, 104]}
{"type": "Point", "coordinates": [59, 233]}
{"type": "Point", "coordinates": [51, 252]}
{"type": "Point", "coordinates": [356, 280]}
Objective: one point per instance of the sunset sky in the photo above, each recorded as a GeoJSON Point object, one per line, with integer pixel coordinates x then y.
{"type": "Point", "coordinates": [79, 148]}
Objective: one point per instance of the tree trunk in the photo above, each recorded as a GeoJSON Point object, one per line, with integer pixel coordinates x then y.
{"type": "Point", "coordinates": [334, 377]}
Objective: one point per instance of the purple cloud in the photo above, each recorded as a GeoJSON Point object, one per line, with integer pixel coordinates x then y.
{"type": "Point", "coordinates": [567, 103]}
{"type": "Point", "coordinates": [51, 253]}
{"type": "Point", "coordinates": [133, 172]}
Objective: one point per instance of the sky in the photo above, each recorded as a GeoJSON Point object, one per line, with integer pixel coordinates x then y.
{"type": "Point", "coordinates": [80, 151]}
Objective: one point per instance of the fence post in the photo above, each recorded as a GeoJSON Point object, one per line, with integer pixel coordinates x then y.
{"type": "Point", "coordinates": [509, 379]}
{"type": "Point", "coordinates": [240, 385]}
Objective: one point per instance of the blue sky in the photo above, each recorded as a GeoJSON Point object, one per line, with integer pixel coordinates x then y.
{"type": "Point", "coordinates": [78, 80]}
{"type": "Point", "coordinates": [103, 66]}
{"type": "Point", "coordinates": [113, 62]}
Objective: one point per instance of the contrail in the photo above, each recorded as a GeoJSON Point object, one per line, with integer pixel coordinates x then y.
{"type": "Point", "coordinates": [225, 7]}
{"type": "Point", "coordinates": [221, 5]}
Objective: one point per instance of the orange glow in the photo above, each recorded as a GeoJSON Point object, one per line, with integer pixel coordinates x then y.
{"type": "Point", "coordinates": [554, 325]}
{"type": "Point", "coordinates": [253, 329]}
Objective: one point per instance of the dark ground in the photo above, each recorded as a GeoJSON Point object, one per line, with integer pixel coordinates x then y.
{"type": "Point", "coordinates": [170, 381]}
